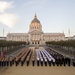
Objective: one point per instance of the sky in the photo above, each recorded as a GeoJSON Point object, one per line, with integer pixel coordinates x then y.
{"type": "Point", "coordinates": [56, 16]}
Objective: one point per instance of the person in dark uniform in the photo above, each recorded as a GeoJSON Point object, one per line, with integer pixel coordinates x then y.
{"type": "Point", "coordinates": [0, 61]}
{"type": "Point", "coordinates": [33, 60]}
{"type": "Point", "coordinates": [69, 61]}
{"type": "Point", "coordinates": [37, 61]}
{"type": "Point", "coordinates": [22, 62]}
{"type": "Point", "coordinates": [10, 60]}
{"type": "Point", "coordinates": [16, 61]}
{"type": "Point", "coordinates": [73, 62]}
{"type": "Point", "coordinates": [7, 62]}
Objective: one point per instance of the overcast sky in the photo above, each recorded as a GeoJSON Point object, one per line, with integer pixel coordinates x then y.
{"type": "Point", "coordinates": [54, 15]}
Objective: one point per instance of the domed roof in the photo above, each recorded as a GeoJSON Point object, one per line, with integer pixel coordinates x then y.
{"type": "Point", "coordinates": [35, 25]}
{"type": "Point", "coordinates": [35, 19]}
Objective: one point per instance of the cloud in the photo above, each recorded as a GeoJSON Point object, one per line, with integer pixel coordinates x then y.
{"type": "Point", "coordinates": [8, 19]}
{"type": "Point", "coordinates": [5, 5]}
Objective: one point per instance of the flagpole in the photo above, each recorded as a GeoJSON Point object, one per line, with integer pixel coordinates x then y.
{"type": "Point", "coordinates": [69, 34]}
{"type": "Point", "coordinates": [3, 32]}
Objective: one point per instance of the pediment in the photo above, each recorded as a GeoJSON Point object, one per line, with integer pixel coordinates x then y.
{"type": "Point", "coordinates": [36, 32]}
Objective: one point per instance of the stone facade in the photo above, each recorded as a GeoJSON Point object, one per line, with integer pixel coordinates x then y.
{"type": "Point", "coordinates": [35, 34]}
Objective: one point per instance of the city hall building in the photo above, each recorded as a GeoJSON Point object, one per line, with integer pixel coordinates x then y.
{"type": "Point", "coordinates": [35, 34]}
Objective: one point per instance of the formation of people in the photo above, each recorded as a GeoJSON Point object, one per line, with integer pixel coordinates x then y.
{"type": "Point", "coordinates": [38, 57]}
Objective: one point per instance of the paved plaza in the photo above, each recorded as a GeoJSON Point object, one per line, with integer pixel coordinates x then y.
{"type": "Point", "coordinates": [41, 70]}
{"type": "Point", "coordinates": [37, 70]}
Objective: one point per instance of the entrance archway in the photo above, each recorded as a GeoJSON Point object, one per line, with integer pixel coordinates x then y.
{"type": "Point", "coordinates": [35, 42]}
{"type": "Point", "coordinates": [38, 42]}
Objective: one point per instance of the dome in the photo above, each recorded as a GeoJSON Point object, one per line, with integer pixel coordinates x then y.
{"type": "Point", "coordinates": [35, 19]}
{"type": "Point", "coordinates": [35, 25]}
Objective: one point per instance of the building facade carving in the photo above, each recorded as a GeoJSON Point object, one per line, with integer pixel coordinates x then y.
{"type": "Point", "coordinates": [35, 34]}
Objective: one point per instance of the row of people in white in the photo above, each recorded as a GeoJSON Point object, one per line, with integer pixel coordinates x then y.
{"type": "Point", "coordinates": [49, 56]}
{"type": "Point", "coordinates": [44, 56]}
{"type": "Point", "coordinates": [37, 54]}
{"type": "Point", "coordinates": [40, 56]}
{"type": "Point", "coordinates": [37, 57]}
{"type": "Point", "coordinates": [51, 59]}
